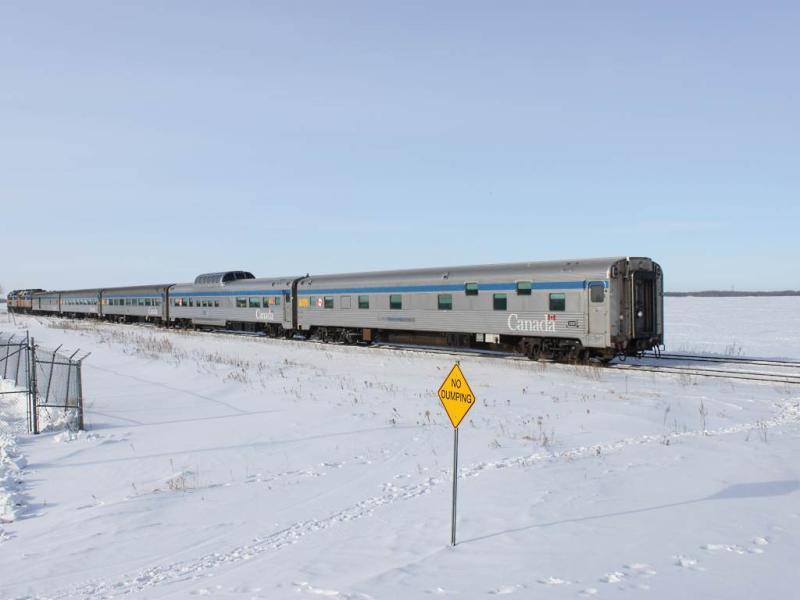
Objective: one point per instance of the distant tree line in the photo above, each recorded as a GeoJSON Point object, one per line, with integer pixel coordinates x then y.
{"type": "Point", "coordinates": [731, 294]}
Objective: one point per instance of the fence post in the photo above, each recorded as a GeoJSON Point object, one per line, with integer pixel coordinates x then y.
{"type": "Point", "coordinates": [5, 362]}
{"type": "Point", "coordinates": [50, 377]}
{"type": "Point", "coordinates": [78, 366]}
{"type": "Point", "coordinates": [69, 376]}
{"type": "Point", "coordinates": [25, 351]}
{"type": "Point", "coordinates": [34, 391]}
{"type": "Point", "coordinates": [19, 359]}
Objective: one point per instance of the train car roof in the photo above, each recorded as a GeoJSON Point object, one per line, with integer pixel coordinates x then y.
{"type": "Point", "coordinates": [261, 283]}
{"type": "Point", "coordinates": [556, 270]}
{"type": "Point", "coordinates": [137, 288]}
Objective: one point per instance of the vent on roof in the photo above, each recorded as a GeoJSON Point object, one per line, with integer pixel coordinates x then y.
{"type": "Point", "coordinates": [222, 277]}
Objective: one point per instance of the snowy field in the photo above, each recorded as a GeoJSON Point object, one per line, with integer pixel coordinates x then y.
{"type": "Point", "coordinates": [250, 468]}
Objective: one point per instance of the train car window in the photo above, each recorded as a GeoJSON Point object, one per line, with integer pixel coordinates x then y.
{"type": "Point", "coordinates": [597, 293]}
{"type": "Point", "coordinates": [523, 288]}
{"type": "Point", "coordinates": [328, 301]}
{"type": "Point", "coordinates": [191, 302]}
{"type": "Point", "coordinates": [216, 303]}
{"type": "Point", "coordinates": [445, 301]}
{"type": "Point", "coordinates": [471, 289]}
{"type": "Point", "coordinates": [363, 302]}
{"type": "Point", "coordinates": [558, 302]}
{"type": "Point", "coordinates": [345, 302]}
{"type": "Point", "coordinates": [254, 302]}
{"type": "Point", "coordinates": [500, 301]}
{"type": "Point", "coordinates": [395, 301]}
{"type": "Point", "coordinates": [265, 302]}
{"type": "Point", "coordinates": [241, 303]}
{"type": "Point", "coordinates": [276, 300]}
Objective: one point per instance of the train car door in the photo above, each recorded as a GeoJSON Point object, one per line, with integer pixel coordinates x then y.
{"type": "Point", "coordinates": [287, 309]}
{"type": "Point", "coordinates": [598, 313]}
{"type": "Point", "coordinates": [644, 304]}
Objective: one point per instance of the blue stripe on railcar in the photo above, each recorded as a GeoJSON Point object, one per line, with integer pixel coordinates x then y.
{"type": "Point", "coordinates": [443, 287]}
{"type": "Point", "coordinates": [240, 293]}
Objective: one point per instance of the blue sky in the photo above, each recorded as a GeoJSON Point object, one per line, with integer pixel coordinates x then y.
{"type": "Point", "coordinates": [152, 141]}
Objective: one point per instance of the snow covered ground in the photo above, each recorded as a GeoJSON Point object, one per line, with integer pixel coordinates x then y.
{"type": "Point", "coordinates": [249, 468]}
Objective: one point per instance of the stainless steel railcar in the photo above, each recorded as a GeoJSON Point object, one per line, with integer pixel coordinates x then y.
{"type": "Point", "coordinates": [136, 303]}
{"type": "Point", "coordinates": [234, 299]}
{"type": "Point", "coordinates": [46, 302]}
{"type": "Point", "coordinates": [560, 309]}
{"type": "Point", "coordinates": [82, 303]}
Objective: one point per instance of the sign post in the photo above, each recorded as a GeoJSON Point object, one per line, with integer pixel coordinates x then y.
{"type": "Point", "coordinates": [457, 398]}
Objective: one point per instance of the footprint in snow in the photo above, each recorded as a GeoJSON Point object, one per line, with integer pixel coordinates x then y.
{"type": "Point", "coordinates": [504, 590]}
{"type": "Point", "coordinates": [640, 569]}
{"type": "Point", "coordinates": [554, 581]}
{"type": "Point", "coordinates": [613, 577]}
{"type": "Point", "coordinates": [687, 563]}
{"type": "Point", "coordinates": [440, 591]}
{"type": "Point", "coordinates": [304, 586]}
{"type": "Point", "coordinates": [724, 547]}
{"type": "Point", "coordinates": [590, 591]}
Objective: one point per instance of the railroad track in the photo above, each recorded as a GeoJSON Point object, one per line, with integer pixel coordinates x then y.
{"type": "Point", "coordinates": [769, 362]}
{"type": "Point", "coordinates": [772, 376]}
{"type": "Point", "coordinates": [757, 376]}
{"type": "Point", "coordinates": [762, 376]}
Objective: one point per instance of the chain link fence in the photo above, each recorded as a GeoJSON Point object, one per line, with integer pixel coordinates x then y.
{"type": "Point", "coordinates": [52, 380]}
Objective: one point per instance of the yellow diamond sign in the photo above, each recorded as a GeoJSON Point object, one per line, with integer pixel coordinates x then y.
{"type": "Point", "coordinates": [456, 395]}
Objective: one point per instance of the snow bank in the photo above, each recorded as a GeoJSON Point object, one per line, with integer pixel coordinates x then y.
{"type": "Point", "coordinates": [12, 408]}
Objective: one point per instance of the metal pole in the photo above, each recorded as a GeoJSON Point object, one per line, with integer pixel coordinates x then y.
{"type": "Point", "coordinates": [5, 363]}
{"type": "Point", "coordinates": [455, 486]}
{"type": "Point", "coordinates": [19, 360]}
{"type": "Point", "coordinates": [50, 378]}
{"type": "Point", "coordinates": [69, 376]}
{"type": "Point", "coordinates": [80, 395]}
{"type": "Point", "coordinates": [34, 408]}
{"type": "Point", "coordinates": [28, 410]}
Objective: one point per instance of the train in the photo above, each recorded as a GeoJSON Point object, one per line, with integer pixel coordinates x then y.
{"type": "Point", "coordinates": [565, 310]}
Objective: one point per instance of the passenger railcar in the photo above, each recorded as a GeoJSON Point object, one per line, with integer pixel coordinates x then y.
{"type": "Point", "coordinates": [235, 300]}
{"type": "Point", "coordinates": [80, 303]}
{"type": "Point", "coordinates": [137, 303]}
{"type": "Point", "coordinates": [46, 302]}
{"type": "Point", "coordinates": [559, 309]}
